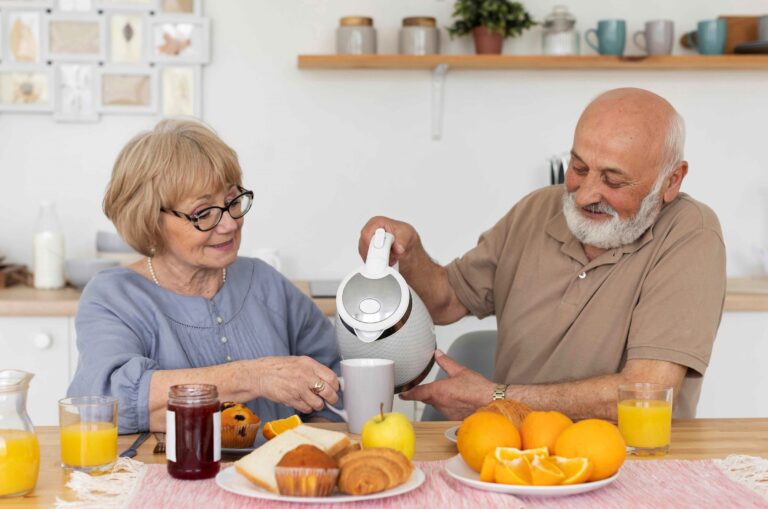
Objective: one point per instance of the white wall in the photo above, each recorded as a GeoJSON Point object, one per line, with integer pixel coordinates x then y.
{"type": "Point", "coordinates": [324, 150]}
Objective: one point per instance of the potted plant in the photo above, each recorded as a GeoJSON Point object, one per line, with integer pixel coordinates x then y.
{"type": "Point", "coordinates": [490, 22]}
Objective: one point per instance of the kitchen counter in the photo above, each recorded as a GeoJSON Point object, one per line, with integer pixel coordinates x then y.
{"type": "Point", "coordinates": [744, 294]}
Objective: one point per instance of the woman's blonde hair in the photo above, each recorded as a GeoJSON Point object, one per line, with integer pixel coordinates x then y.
{"type": "Point", "coordinates": [160, 168]}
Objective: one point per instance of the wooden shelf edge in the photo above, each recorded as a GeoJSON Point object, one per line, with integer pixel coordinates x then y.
{"type": "Point", "coordinates": [535, 62]}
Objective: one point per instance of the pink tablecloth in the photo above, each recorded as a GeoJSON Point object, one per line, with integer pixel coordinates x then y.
{"type": "Point", "coordinates": [656, 484]}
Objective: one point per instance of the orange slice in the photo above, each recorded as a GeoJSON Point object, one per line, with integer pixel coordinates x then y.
{"type": "Point", "coordinates": [488, 472]}
{"type": "Point", "coordinates": [510, 453]}
{"type": "Point", "coordinates": [545, 472]}
{"type": "Point", "coordinates": [274, 428]}
{"type": "Point", "coordinates": [517, 471]}
{"type": "Point", "coordinates": [576, 470]}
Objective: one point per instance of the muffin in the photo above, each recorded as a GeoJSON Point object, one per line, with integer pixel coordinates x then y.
{"type": "Point", "coordinates": [238, 426]}
{"type": "Point", "coordinates": [306, 471]}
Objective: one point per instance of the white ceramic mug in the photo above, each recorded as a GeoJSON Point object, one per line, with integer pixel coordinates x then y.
{"type": "Point", "coordinates": [367, 383]}
{"type": "Point", "coordinates": [657, 38]}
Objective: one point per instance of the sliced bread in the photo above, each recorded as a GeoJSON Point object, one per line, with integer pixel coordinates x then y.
{"type": "Point", "coordinates": [332, 442]}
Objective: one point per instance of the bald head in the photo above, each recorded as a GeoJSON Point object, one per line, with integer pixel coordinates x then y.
{"type": "Point", "coordinates": [641, 121]}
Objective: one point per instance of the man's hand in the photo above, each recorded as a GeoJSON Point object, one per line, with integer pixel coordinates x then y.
{"type": "Point", "coordinates": [456, 396]}
{"type": "Point", "coordinates": [406, 239]}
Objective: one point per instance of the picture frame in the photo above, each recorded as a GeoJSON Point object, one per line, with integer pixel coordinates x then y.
{"type": "Point", "coordinates": [24, 88]}
{"type": "Point", "coordinates": [76, 37]}
{"type": "Point", "coordinates": [124, 89]}
{"type": "Point", "coordinates": [180, 91]}
{"type": "Point", "coordinates": [75, 92]}
{"type": "Point", "coordinates": [24, 36]}
{"type": "Point", "coordinates": [125, 5]}
{"type": "Point", "coordinates": [179, 40]}
{"type": "Point", "coordinates": [180, 7]}
{"type": "Point", "coordinates": [126, 37]}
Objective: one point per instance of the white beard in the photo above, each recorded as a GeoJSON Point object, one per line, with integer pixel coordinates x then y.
{"type": "Point", "coordinates": [614, 232]}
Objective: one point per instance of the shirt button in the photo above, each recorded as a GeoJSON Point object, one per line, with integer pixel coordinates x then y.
{"type": "Point", "coordinates": [229, 359]}
{"type": "Point", "coordinates": [582, 275]}
{"type": "Point", "coordinates": [219, 319]}
{"type": "Point", "coordinates": [223, 339]}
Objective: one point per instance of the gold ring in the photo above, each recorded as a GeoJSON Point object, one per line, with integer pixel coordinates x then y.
{"type": "Point", "coordinates": [318, 387]}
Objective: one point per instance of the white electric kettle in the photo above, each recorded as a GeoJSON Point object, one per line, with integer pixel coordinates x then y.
{"type": "Point", "coordinates": [380, 316]}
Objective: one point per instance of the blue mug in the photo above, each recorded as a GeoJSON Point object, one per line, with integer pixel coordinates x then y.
{"type": "Point", "coordinates": [611, 36]}
{"type": "Point", "coordinates": [710, 37]}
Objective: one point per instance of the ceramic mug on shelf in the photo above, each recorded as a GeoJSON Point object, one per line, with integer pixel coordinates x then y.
{"type": "Point", "coordinates": [657, 38]}
{"type": "Point", "coordinates": [611, 35]}
{"type": "Point", "coordinates": [710, 37]}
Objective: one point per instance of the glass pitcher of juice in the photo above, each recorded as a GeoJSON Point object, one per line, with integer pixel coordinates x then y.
{"type": "Point", "coordinates": [19, 448]}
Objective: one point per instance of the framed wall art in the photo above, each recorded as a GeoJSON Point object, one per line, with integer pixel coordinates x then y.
{"type": "Point", "coordinates": [180, 91]}
{"type": "Point", "coordinates": [23, 35]}
{"type": "Point", "coordinates": [75, 93]}
{"type": "Point", "coordinates": [179, 40]}
{"type": "Point", "coordinates": [25, 89]}
{"type": "Point", "coordinates": [126, 90]}
{"type": "Point", "coordinates": [76, 37]}
{"type": "Point", "coordinates": [126, 38]}
{"type": "Point", "coordinates": [180, 7]}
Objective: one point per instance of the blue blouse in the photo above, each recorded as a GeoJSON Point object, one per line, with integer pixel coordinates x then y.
{"type": "Point", "coordinates": [128, 327]}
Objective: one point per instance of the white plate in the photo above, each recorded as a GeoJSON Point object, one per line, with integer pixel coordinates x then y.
{"type": "Point", "coordinates": [450, 433]}
{"type": "Point", "coordinates": [460, 471]}
{"type": "Point", "coordinates": [229, 480]}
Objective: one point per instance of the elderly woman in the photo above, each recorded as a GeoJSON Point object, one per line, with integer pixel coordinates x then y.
{"type": "Point", "coordinates": [191, 310]}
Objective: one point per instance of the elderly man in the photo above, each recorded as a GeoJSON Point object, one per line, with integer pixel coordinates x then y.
{"type": "Point", "coordinates": [616, 277]}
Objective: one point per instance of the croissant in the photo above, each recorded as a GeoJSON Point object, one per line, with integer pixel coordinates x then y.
{"type": "Point", "coordinates": [512, 410]}
{"type": "Point", "coordinates": [372, 470]}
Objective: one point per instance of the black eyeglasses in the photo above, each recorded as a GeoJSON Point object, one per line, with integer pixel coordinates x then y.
{"type": "Point", "coordinates": [208, 218]}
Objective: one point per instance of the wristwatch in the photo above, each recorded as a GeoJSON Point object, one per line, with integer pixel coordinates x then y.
{"type": "Point", "coordinates": [499, 392]}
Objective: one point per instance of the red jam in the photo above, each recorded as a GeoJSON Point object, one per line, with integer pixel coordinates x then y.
{"type": "Point", "coordinates": [193, 431]}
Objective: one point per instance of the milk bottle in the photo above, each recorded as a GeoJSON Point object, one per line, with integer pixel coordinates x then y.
{"type": "Point", "coordinates": [48, 249]}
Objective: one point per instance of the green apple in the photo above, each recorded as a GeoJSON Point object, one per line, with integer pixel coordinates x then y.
{"type": "Point", "coordinates": [392, 430]}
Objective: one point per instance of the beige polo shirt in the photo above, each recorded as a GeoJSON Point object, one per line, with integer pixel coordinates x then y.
{"type": "Point", "coordinates": [561, 317]}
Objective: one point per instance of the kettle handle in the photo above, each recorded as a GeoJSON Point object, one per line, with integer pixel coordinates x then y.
{"type": "Point", "coordinates": [377, 262]}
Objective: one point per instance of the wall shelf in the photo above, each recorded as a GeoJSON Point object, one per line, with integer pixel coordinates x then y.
{"type": "Point", "coordinates": [535, 62]}
{"type": "Point", "coordinates": [440, 64]}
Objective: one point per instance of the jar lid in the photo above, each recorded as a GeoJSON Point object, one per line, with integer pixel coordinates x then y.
{"type": "Point", "coordinates": [348, 21]}
{"type": "Point", "coordinates": [559, 18]}
{"type": "Point", "coordinates": [419, 21]}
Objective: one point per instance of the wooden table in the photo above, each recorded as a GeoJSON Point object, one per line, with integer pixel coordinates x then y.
{"type": "Point", "coordinates": [691, 439]}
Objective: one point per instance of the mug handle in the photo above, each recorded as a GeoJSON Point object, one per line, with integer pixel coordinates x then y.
{"type": "Point", "coordinates": [597, 38]}
{"type": "Point", "coordinates": [341, 413]}
{"type": "Point", "coordinates": [638, 37]}
{"type": "Point", "coordinates": [693, 43]}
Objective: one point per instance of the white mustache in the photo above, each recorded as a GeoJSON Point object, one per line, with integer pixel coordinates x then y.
{"type": "Point", "coordinates": [600, 207]}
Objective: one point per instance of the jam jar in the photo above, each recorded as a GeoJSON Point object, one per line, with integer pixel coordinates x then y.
{"type": "Point", "coordinates": [193, 431]}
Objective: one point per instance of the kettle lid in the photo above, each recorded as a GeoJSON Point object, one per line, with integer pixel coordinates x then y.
{"type": "Point", "coordinates": [372, 301]}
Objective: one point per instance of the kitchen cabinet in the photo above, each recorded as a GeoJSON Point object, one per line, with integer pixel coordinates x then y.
{"type": "Point", "coordinates": [41, 345]}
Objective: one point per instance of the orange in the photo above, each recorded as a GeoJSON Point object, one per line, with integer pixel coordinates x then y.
{"type": "Point", "coordinates": [541, 429]}
{"type": "Point", "coordinates": [576, 470]}
{"type": "Point", "coordinates": [483, 432]}
{"type": "Point", "coordinates": [274, 428]}
{"type": "Point", "coordinates": [488, 471]}
{"type": "Point", "coordinates": [545, 472]}
{"type": "Point", "coordinates": [510, 453]}
{"type": "Point", "coordinates": [514, 472]}
{"type": "Point", "coordinates": [596, 439]}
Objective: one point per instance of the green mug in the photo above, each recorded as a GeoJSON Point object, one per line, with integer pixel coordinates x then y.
{"type": "Point", "coordinates": [611, 36]}
{"type": "Point", "coordinates": [710, 37]}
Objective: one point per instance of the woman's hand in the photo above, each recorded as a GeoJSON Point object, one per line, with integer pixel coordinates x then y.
{"type": "Point", "coordinates": [289, 380]}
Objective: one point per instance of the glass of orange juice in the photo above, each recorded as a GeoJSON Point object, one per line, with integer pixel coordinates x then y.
{"type": "Point", "coordinates": [645, 417]}
{"type": "Point", "coordinates": [88, 427]}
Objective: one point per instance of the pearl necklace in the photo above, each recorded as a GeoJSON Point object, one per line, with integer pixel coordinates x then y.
{"type": "Point", "coordinates": [154, 276]}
